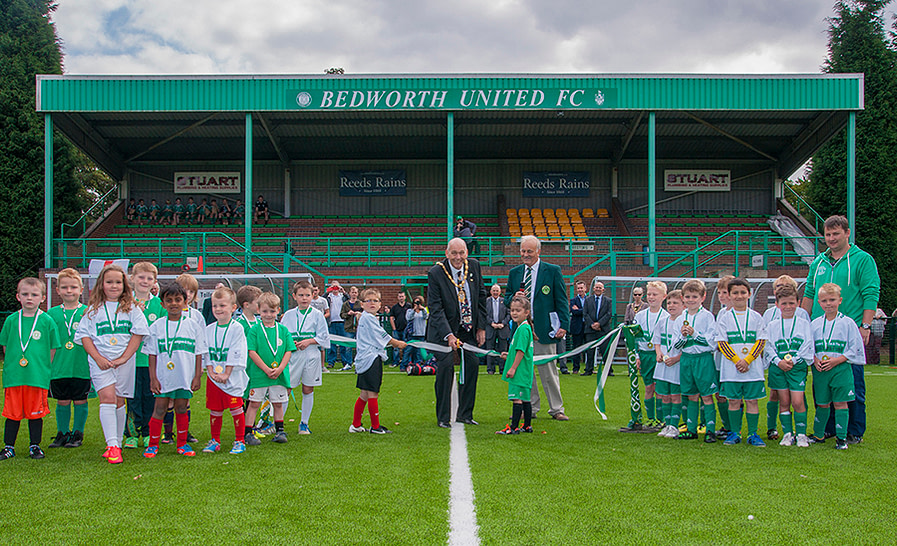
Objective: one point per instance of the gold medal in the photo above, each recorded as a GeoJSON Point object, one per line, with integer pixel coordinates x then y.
{"type": "Point", "coordinates": [219, 369]}
{"type": "Point", "coordinates": [69, 345]}
{"type": "Point", "coordinates": [788, 358]}
{"type": "Point", "coordinates": [170, 365]}
{"type": "Point", "coordinates": [684, 323]}
{"type": "Point", "coordinates": [273, 365]}
{"type": "Point", "coordinates": [744, 350]}
{"type": "Point", "coordinates": [825, 357]}
{"type": "Point", "coordinates": [113, 340]}
{"type": "Point", "coordinates": [650, 345]}
{"type": "Point", "coordinates": [23, 362]}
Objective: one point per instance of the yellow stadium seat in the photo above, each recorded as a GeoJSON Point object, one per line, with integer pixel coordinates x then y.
{"type": "Point", "coordinates": [601, 213]}
{"type": "Point", "coordinates": [588, 213]}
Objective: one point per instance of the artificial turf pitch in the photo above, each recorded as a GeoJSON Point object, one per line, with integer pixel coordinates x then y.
{"type": "Point", "coordinates": [575, 482]}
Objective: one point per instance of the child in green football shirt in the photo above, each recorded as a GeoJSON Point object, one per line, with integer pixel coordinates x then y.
{"type": "Point", "coordinates": [70, 376]}
{"type": "Point", "coordinates": [29, 339]}
{"type": "Point", "coordinates": [519, 367]}
{"type": "Point", "coordinates": [270, 346]}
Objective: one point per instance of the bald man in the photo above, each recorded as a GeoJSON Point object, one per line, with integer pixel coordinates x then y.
{"type": "Point", "coordinates": [457, 298]}
{"type": "Point", "coordinates": [543, 284]}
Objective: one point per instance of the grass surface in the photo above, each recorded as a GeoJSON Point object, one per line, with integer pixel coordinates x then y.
{"type": "Point", "coordinates": [581, 482]}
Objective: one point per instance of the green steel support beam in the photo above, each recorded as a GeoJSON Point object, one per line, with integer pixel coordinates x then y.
{"type": "Point", "coordinates": [48, 191]}
{"type": "Point", "coordinates": [652, 189]}
{"type": "Point", "coordinates": [852, 173]}
{"type": "Point", "coordinates": [247, 198]}
{"type": "Point", "coordinates": [450, 171]}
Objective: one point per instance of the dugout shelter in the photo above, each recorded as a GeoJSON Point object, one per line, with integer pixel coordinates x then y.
{"type": "Point", "coordinates": [642, 147]}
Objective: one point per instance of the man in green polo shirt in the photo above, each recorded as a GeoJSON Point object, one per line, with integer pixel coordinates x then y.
{"type": "Point", "coordinates": [854, 270]}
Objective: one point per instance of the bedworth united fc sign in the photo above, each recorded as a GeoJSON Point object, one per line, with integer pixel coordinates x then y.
{"type": "Point", "coordinates": [452, 99]}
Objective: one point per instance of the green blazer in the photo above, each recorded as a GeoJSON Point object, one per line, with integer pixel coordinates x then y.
{"type": "Point", "coordinates": [549, 295]}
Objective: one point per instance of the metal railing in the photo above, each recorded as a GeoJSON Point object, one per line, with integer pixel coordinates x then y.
{"type": "Point", "coordinates": [83, 219]}
{"type": "Point", "coordinates": [803, 208]}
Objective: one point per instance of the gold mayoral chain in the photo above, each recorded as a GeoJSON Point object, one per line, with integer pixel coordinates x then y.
{"type": "Point", "coordinates": [268, 341]}
{"type": "Point", "coordinates": [68, 327]}
{"type": "Point", "coordinates": [24, 344]}
{"type": "Point", "coordinates": [218, 367]}
{"type": "Point", "coordinates": [112, 340]}
{"type": "Point", "coordinates": [743, 335]}
{"type": "Point", "coordinates": [169, 344]}
{"type": "Point", "coordinates": [466, 316]}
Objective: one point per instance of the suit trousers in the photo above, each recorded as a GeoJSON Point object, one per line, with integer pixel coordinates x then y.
{"type": "Point", "coordinates": [493, 362]}
{"type": "Point", "coordinates": [589, 364]}
{"type": "Point", "coordinates": [467, 393]}
{"type": "Point", "coordinates": [551, 384]}
{"type": "Point", "coordinates": [575, 341]}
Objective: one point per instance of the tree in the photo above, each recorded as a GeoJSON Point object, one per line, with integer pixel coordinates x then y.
{"type": "Point", "coordinates": [858, 44]}
{"type": "Point", "coordinates": [28, 46]}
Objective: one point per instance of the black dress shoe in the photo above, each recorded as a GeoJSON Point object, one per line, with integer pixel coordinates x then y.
{"type": "Point", "coordinates": [565, 372]}
{"type": "Point", "coordinates": [468, 421]}
{"type": "Point", "coordinates": [443, 424]}
{"type": "Point", "coordinates": [586, 373]}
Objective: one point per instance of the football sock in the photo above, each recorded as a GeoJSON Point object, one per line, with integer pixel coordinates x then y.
{"type": "Point", "coordinates": [183, 422]}
{"type": "Point", "coordinates": [278, 426]}
{"type": "Point", "coordinates": [109, 424]}
{"type": "Point", "coordinates": [168, 421]}
{"type": "Point", "coordinates": [121, 419]}
{"type": "Point", "coordinates": [63, 417]}
{"type": "Point", "coordinates": [527, 413]}
{"type": "Point", "coordinates": [239, 423]}
{"type": "Point", "coordinates": [516, 411]}
{"type": "Point", "coordinates": [36, 430]}
{"type": "Point", "coordinates": [356, 415]}
{"type": "Point", "coordinates": [308, 403]}
{"type": "Point", "coordinates": [674, 414]}
{"type": "Point", "coordinates": [841, 418]}
{"type": "Point", "coordinates": [735, 420]}
{"type": "Point", "coordinates": [785, 418]}
{"type": "Point", "coordinates": [820, 420]}
{"type": "Point", "coordinates": [216, 426]}
{"type": "Point", "coordinates": [155, 431]}
{"type": "Point", "coordinates": [722, 407]}
{"type": "Point", "coordinates": [10, 431]}
{"type": "Point", "coordinates": [683, 410]}
{"type": "Point", "coordinates": [665, 408]}
{"type": "Point", "coordinates": [374, 410]}
{"type": "Point", "coordinates": [692, 420]}
{"type": "Point", "coordinates": [247, 429]}
{"type": "Point", "coordinates": [710, 417]}
{"type": "Point", "coordinates": [649, 409]}
{"type": "Point", "coordinates": [800, 422]}
{"type": "Point", "coordinates": [753, 419]}
{"type": "Point", "coordinates": [772, 411]}
{"type": "Point", "coordinates": [80, 417]}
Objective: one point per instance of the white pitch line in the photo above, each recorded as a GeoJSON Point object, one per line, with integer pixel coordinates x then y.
{"type": "Point", "coordinates": [463, 528]}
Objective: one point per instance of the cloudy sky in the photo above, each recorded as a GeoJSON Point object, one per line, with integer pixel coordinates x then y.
{"type": "Point", "coordinates": [405, 36]}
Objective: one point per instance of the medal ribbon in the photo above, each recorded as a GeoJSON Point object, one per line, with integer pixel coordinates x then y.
{"type": "Point", "coordinates": [33, 327]}
{"type": "Point", "coordinates": [168, 343]}
{"type": "Point", "coordinates": [793, 324]}
{"type": "Point", "coordinates": [305, 316]}
{"type": "Point", "coordinates": [747, 321]}
{"type": "Point", "coordinates": [69, 322]}
{"type": "Point", "coordinates": [223, 338]}
{"type": "Point", "coordinates": [831, 332]}
{"type": "Point", "coordinates": [268, 340]}
{"type": "Point", "coordinates": [648, 319]}
{"type": "Point", "coordinates": [109, 319]}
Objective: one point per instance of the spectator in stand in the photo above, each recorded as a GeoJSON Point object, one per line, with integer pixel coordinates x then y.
{"type": "Point", "coordinates": [465, 230]}
{"type": "Point", "coordinates": [167, 212]}
{"type": "Point", "coordinates": [398, 322]}
{"type": "Point", "coordinates": [415, 329]}
{"type": "Point", "coordinates": [177, 212]}
{"type": "Point", "coordinates": [238, 213]}
{"type": "Point", "coordinates": [213, 212]}
{"type": "Point", "coordinates": [261, 209]}
{"type": "Point", "coordinates": [154, 212]}
{"type": "Point", "coordinates": [190, 217]}
{"type": "Point", "coordinates": [202, 212]}
{"type": "Point", "coordinates": [634, 306]}
{"type": "Point", "coordinates": [224, 212]}
{"type": "Point", "coordinates": [142, 213]}
{"type": "Point", "coordinates": [131, 212]}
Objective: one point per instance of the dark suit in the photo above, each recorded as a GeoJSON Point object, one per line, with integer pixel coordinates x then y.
{"type": "Point", "coordinates": [602, 317]}
{"type": "Point", "coordinates": [497, 339]}
{"type": "Point", "coordinates": [549, 296]}
{"type": "Point", "coordinates": [576, 335]}
{"type": "Point", "coordinates": [445, 319]}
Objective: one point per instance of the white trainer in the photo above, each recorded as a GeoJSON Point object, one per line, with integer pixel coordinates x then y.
{"type": "Point", "coordinates": [353, 428]}
{"type": "Point", "coordinates": [803, 440]}
{"type": "Point", "coordinates": [672, 431]}
{"type": "Point", "coordinates": [787, 439]}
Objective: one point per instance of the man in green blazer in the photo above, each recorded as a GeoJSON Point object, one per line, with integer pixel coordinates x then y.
{"type": "Point", "coordinates": [543, 284]}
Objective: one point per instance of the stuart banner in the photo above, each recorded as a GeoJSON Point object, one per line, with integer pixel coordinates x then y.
{"type": "Point", "coordinates": [202, 182]}
{"type": "Point", "coordinates": [564, 184]}
{"type": "Point", "coordinates": [368, 183]}
{"type": "Point", "coordinates": [697, 180]}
